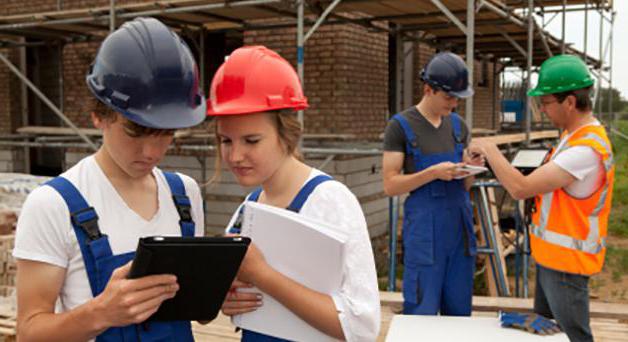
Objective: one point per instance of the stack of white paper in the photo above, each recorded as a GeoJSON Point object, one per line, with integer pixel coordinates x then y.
{"type": "Point", "coordinates": [305, 250]}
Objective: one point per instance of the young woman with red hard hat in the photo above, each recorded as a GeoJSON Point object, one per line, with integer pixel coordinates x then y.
{"type": "Point", "coordinates": [254, 96]}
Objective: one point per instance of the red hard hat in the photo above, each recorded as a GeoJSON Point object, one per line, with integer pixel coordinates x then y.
{"type": "Point", "coordinates": [254, 79]}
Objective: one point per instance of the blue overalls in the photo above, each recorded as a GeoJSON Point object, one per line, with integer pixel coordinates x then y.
{"type": "Point", "coordinates": [100, 261]}
{"type": "Point", "coordinates": [296, 205]}
{"type": "Point", "coordinates": [438, 238]}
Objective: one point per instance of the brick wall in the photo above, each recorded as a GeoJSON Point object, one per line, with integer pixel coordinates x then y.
{"type": "Point", "coordinates": [346, 76]}
{"type": "Point", "coordinates": [76, 61]}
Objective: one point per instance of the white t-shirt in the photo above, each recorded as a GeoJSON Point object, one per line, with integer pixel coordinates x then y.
{"type": "Point", "coordinates": [585, 164]}
{"type": "Point", "coordinates": [358, 301]}
{"type": "Point", "coordinates": [44, 232]}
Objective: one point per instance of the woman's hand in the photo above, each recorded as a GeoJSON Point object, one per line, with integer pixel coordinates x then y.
{"type": "Point", "coordinates": [253, 266]}
{"type": "Point", "coordinates": [239, 302]}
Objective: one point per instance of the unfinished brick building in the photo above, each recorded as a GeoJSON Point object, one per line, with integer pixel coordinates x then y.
{"type": "Point", "coordinates": [359, 68]}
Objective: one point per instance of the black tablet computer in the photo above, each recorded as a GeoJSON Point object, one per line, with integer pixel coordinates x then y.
{"type": "Point", "coordinates": [205, 268]}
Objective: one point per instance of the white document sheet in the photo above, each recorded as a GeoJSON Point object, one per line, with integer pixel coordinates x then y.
{"type": "Point", "coordinates": [305, 250]}
{"type": "Point", "coordinates": [470, 170]}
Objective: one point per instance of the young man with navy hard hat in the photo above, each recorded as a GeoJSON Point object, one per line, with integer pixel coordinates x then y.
{"type": "Point", "coordinates": [424, 148]}
{"type": "Point", "coordinates": [77, 234]}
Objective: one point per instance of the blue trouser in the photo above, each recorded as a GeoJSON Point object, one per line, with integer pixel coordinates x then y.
{"type": "Point", "coordinates": [438, 238]}
{"type": "Point", "coordinates": [444, 285]}
{"type": "Point", "coordinates": [565, 298]}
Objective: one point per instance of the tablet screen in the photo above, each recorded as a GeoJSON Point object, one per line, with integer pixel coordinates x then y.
{"type": "Point", "coordinates": [529, 158]}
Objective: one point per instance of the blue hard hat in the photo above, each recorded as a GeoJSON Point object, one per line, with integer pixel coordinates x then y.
{"type": "Point", "coordinates": [446, 71]}
{"type": "Point", "coordinates": [147, 73]}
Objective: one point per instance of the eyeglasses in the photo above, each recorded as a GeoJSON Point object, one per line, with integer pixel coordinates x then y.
{"type": "Point", "coordinates": [546, 103]}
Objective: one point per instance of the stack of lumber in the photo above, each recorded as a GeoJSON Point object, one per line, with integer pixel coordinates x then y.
{"type": "Point", "coordinates": [7, 262]}
{"type": "Point", "coordinates": [8, 310]}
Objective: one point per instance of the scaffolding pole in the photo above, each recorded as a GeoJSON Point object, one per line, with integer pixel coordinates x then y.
{"type": "Point", "coordinates": [562, 45]}
{"type": "Point", "coordinates": [470, 62]}
{"type": "Point", "coordinates": [112, 15]}
{"type": "Point", "coordinates": [610, 75]}
{"type": "Point", "coordinates": [598, 97]}
{"type": "Point", "coordinates": [529, 69]}
{"type": "Point", "coordinates": [300, 43]}
{"type": "Point", "coordinates": [47, 101]}
{"type": "Point", "coordinates": [586, 26]}
{"type": "Point", "coordinates": [393, 201]}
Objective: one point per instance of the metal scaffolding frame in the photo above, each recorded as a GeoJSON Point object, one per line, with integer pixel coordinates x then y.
{"type": "Point", "coordinates": [495, 30]}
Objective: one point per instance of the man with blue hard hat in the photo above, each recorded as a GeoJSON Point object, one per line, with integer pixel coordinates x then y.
{"type": "Point", "coordinates": [77, 234]}
{"type": "Point", "coordinates": [424, 149]}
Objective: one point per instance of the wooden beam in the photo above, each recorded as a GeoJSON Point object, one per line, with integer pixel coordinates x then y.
{"type": "Point", "coordinates": [482, 303]}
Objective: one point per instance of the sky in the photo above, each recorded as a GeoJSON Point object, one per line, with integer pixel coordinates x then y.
{"type": "Point", "coordinates": [574, 33]}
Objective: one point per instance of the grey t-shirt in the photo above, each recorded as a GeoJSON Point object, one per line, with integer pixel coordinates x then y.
{"type": "Point", "coordinates": [430, 139]}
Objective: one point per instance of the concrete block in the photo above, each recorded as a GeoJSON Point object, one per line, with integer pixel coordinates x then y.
{"type": "Point", "coordinates": [6, 166]}
{"type": "Point", "coordinates": [359, 164]}
{"type": "Point", "coordinates": [367, 189]}
{"type": "Point", "coordinates": [222, 207]}
{"type": "Point", "coordinates": [363, 177]}
{"type": "Point", "coordinates": [375, 206]}
{"type": "Point", "coordinates": [378, 230]}
{"type": "Point", "coordinates": [228, 190]}
{"type": "Point", "coordinates": [6, 155]}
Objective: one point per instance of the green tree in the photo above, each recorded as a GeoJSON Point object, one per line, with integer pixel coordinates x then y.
{"type": "Point", "coordinates": [620, 104]}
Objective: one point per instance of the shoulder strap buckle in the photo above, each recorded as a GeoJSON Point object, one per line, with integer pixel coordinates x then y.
{"type": "Point", "coordinates": [184, 207]}
{"type": "Point", "coordinates": [87, 219]}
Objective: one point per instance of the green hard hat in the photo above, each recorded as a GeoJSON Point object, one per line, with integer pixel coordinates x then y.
{"type": "Point", "coordinates": [562, 73]}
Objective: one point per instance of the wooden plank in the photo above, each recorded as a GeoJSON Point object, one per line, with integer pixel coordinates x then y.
{"type": "Point", "coordinates": [49, 130]}
{"type": "Point", "coordinates": [519, 137]}
{"type": "Point", "coordinates": [483, 303]}
{"type": "Point", "coordinates": [44, 130]}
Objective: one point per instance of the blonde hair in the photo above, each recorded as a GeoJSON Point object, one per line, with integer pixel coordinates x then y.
{"type": "Point", "coordinates": [288, 129]}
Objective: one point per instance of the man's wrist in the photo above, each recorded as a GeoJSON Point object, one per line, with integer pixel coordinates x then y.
{"type": "Point", "coordinates": [95, 314]}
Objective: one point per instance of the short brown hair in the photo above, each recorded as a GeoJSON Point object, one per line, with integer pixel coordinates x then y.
{"type": "Point", "coordinates": [106, 113]}
{"type": "Point", "coordinates": [583, 98]}
{"type": "Point", "coordinates": [288, 128]}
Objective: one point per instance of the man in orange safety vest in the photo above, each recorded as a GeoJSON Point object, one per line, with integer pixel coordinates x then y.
{"type": "Point", "coordinates": [573, 191]}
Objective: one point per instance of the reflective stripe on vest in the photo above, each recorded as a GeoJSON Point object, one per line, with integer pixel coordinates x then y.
{"type": "Point", "coordinates": [593, 243]}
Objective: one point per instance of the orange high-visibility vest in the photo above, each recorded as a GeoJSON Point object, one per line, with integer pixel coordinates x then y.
{"type": "Point", "coordinates": [569, 234]}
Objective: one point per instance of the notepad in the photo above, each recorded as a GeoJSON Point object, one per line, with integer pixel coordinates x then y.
{"type": "Point", "coordinates": [470, 170]}
{"type": "Point", "coordinates": [308, 251]}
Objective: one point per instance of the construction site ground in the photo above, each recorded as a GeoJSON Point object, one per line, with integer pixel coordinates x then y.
{"type": "Point", "coordinates": [221, 329]}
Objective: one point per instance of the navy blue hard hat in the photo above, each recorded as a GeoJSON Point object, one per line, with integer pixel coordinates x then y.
{"type": "Point", "coordinates": [446, 71]}
{"type": "Point", "coordinates": [147, 73]}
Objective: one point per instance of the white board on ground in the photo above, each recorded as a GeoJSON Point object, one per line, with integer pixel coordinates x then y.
{"type": "Point", "coordinates": [455, 329]}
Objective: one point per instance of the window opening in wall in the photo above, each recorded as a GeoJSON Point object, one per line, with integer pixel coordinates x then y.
{"type": "Point", "coordinates": [44, 70]}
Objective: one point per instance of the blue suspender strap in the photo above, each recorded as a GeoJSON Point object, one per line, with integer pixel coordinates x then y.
{"type": "Point", "coordinates": [181, 202]}
{"type": "Point", "coordinates": [254, 196]}
{"type": "Point", "coordinates": [456, 123]}
{"type": "Point", "coordinates": [237, 225]}
{"type": "Point", "coordinates": [411, 143]}
{"type": "Point", "coordinates": [85, 222]}
{"type": "Point", "coordinates": [305, 192]}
